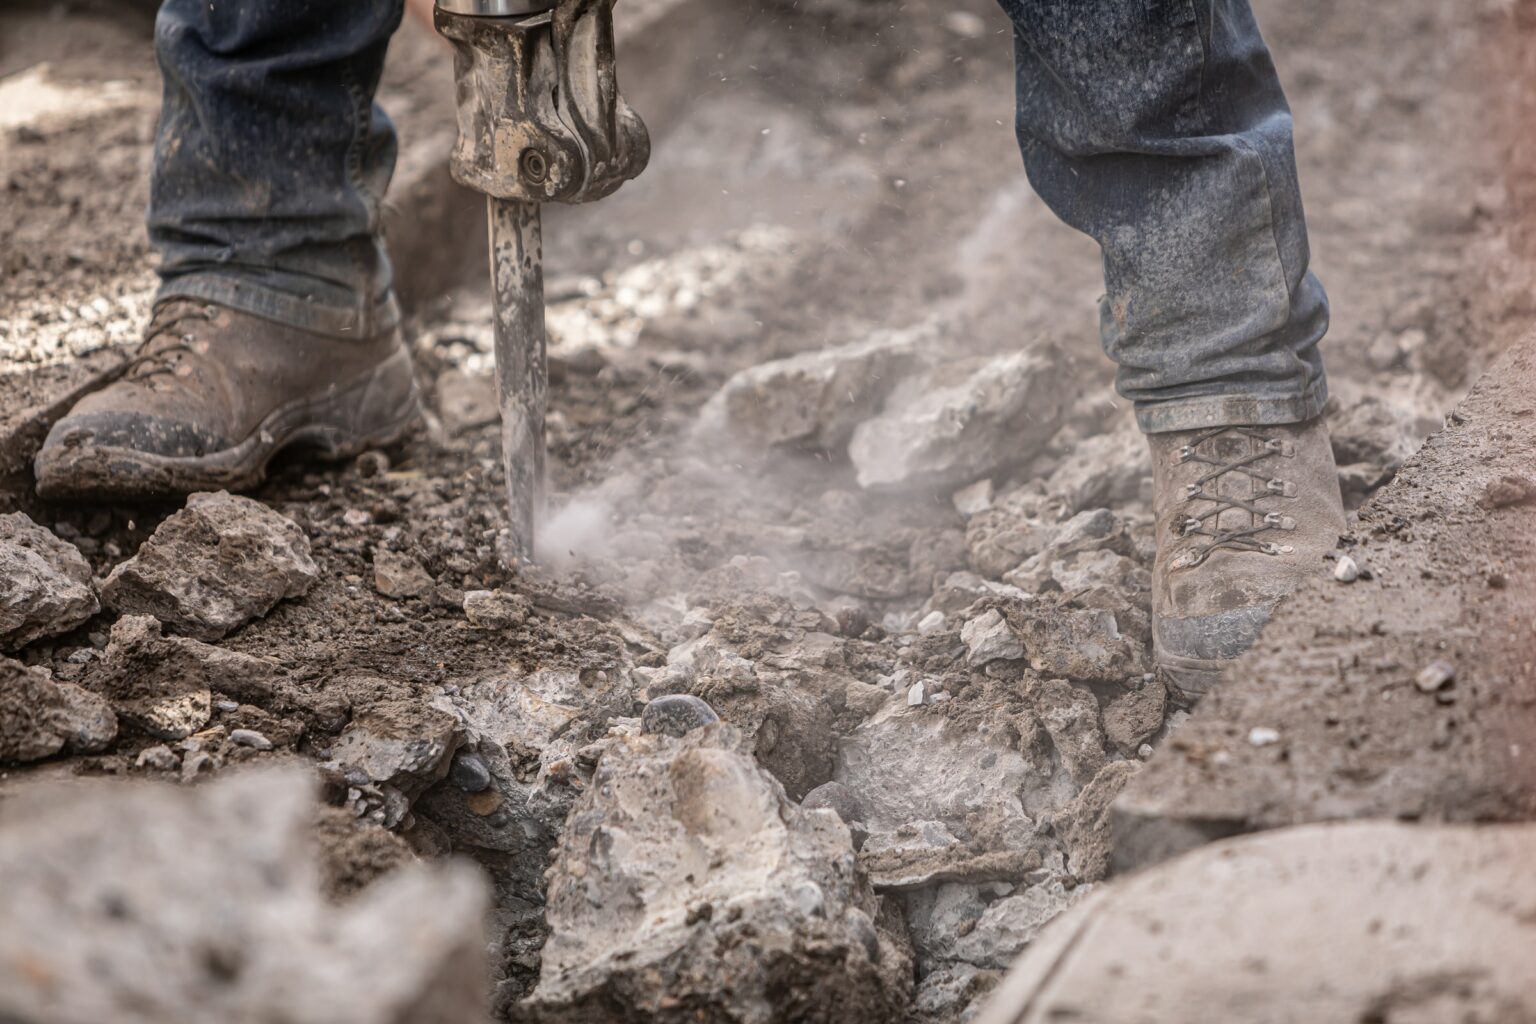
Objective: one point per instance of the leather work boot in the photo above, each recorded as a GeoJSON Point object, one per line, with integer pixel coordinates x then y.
{"type": "Point", "coordinates": [213, 394]}
{"type": "Point", "coordinates": [1244, 515]}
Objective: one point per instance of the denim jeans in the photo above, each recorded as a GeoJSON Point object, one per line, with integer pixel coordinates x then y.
{"type": "Point", "coordinates": [271, 159]}
{"type": "Point", "coordinates": [1158, 127]}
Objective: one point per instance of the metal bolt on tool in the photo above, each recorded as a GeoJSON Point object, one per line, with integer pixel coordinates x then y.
{"type": "Point", "coordinates": [540, 120]}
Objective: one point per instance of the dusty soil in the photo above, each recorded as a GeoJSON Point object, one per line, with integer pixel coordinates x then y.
{"type": "Point", "coordinates": [1406, 694]}
{"type": "Point", "coordinates": [827, 177]}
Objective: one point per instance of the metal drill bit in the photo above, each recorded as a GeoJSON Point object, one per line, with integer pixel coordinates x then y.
{"type": "Point", "coordinates": [517, 289]}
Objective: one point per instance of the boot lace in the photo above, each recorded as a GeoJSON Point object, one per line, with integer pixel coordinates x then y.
{"type": "Point", "coordinates": [1262, 520]}
{"type": "Point", "coordinates": [164, 343]}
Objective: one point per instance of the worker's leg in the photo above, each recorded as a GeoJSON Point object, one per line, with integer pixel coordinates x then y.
{"type": "Point", "coordinates": [271, 159]}
{"type": "Point", "coordinates": [275, 324]}
{"type": "Point", "coordinates": [1159, 128]}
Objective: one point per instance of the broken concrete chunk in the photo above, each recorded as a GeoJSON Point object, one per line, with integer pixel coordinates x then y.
{"type": "Point", "coordinates": [1082, 644]}
{"type": "Point", "coordinates": [907, 767]}
{"type": "Point", "coordinates": [1084, 826]}
{"type": "Point", "coordinates": [40, 717]}
{"type": "Point", "coordinates": [815, 399]}
{"type": "Point", "coordinates": [1373, 432]}
{"type": "Point", "coordinates": [836, 797]}
{"type": "Point", "coordinates": [1135, 716]}
{"type": "Point", "coordinates": [495, 609]}
{"type": "Point", "coordinates": [998, 540]}
{"type": "Point", "coordinates": [1010, 924]}
{"type": "Point", "coordinates": [686, 887]}
{"type": "Point", "coordinates": [1106, 469]}
{"type": "Point", "coordinates": [946, 992]}
{"type": "Point", "coordinates": [959, 422]}
{"type": "Point", "coordinates": [404, 744]}
{"type": "Point", "coordinates": [214, 566]}
{"type": "Point", "coordinates": [1070, 716]}
{"type": "Point", "coordinates": [45, 583]}
{"type": "Point", "coordinates": [976, 498]}
{"type": "Point", "coordinates": [191, 905]}
{"type": "Point", "coordinates": [1370, 919]}
{"type": "Point", "coordinates": [989, 638]}
{"type": "Point", "coordinates": [162, 684]}
{"type": "Point", "coordinates": [397, 575]}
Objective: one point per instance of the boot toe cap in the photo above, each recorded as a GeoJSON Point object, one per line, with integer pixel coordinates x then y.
{"type": "Point", "coordinates": [138, 432]}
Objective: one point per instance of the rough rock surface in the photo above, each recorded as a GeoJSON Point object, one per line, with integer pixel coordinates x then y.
{"type": "Point", "coordinates": [815, 399]}
{"type": "Point", "coordinates": [1369, 921]}
{"type": "Point", "coordinates": [686, 887]}
{"type": "Point", "coordinates": [1332, 682]}
{"type": "Point", "coordinates": [959, 422]}
{"type": "Point", "coordinates": [40, 717]}
{"type": "Point", "coordinates": [164, 684]}
{"type": "Point", "coordinates": [220, 562]}
{"type": "Point", "coordinates": [397, 575]}
{"type": "Point", "coordinates": [398, 745]}
{"type": "Point", "coordinates": [139, 903]}
{"type": "Point", "coordinates": [45, 583]}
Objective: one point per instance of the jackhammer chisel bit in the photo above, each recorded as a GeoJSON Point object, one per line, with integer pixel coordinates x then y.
{"type": "Point", "coordinates": [540, 120]}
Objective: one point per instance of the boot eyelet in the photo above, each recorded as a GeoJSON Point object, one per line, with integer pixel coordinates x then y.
{"type": "Point", "coordinates": [1189, 526]}
{"type": "Point", "coordinates": [1185, 454]}
{"type": "Point", "coordinates": [1192, 490]}
{"type": "Point", "coordinates": [1284, 488]}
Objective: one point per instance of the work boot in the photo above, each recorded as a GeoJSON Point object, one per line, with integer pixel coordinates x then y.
{"type": "Point", "coordinates": [213, 394]}
{"type": "Point", "coordinates": [1244, 515]}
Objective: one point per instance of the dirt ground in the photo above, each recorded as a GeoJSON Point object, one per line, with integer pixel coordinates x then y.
{"type": "Point", "coordinates": [835, 172]}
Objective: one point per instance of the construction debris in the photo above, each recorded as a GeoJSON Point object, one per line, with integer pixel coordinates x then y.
{"type": "Point", "coordinates": [192, 905]}
{"type": "Point", "coordinates": [45, 583]}
{"type": "Point", "coordinates": [687, 887]}
{"type": "Point", "coordinates": [40, 717]}
{"type": "Point", "coordinates": [214, 566]}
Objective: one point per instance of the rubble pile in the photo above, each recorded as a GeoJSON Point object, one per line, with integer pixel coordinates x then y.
{"type": "Point", "coordinates": [137, 903]}
{"type": "Point", "coordinates": [688, 887]}
{"type": "Point", "coordinates": [852, 734]}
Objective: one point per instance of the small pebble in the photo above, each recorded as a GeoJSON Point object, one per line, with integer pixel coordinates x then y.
{"type": "Point", "coordinates": [931, 623]}
{"type": "Point", "coordinates": [1144, 751]}
{"type": "Point", "coordinates": [676, 714]}
{"type": "Point", "coordinates": [249, 738]}
{"type": "Point", "coordinates": [1437, 675]}
{"type": "Point", "coordinates": [227, 706]}
{"type": "Point", "coordinates": [372, 464]}
{"type": "Point", "coordinates": [915, 695]}
{"type": "Point", "coordinates": [159, 756]}
{"type": "Point", "coordinates": [197, 764]}
{"type": "Point", "coordinates": [1263, 736]}
{"type": "Point", "coordinates": [469, 772]}
{"type": "Point", "coordinates": [356, 517]}
{"type": "Point", "coordinates": [1346, 570]}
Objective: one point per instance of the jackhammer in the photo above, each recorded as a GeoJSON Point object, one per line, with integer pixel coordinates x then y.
{"type": "Point", "coordinates": [540, 120]}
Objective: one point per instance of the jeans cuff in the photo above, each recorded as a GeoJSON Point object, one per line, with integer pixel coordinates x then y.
{"type": "Point", "coordinates": [1229, 411]}
{"type": "Point", "coordinates": [291, 310]}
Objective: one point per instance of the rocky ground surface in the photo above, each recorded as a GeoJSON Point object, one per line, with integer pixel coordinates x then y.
{"type": "Point", "coordinates": [838, 653]}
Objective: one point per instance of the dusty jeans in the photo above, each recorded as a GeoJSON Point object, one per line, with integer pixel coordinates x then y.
{"type": "Point", "coordinates": [271, 159]}
{"type": "Point", "coordinates": [1158, 127]}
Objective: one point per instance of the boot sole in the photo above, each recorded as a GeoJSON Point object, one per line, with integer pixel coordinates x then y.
{"type": "Point", "coordinates": [1189, 679]}
{"type": "Point", "coordinates": [376, 408]}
